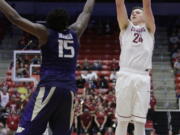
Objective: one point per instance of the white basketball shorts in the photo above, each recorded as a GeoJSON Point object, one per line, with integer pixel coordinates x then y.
{"type": "Point", "coordinates": [132, 96]}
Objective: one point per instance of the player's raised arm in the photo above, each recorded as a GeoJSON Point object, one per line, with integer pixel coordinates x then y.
{"type": "Point", "coordinates": [149, 18]}
{"type": "Point", "coordinates": [82, 21]}
{"type": "Point", "coordinates": [122, 16]}
{"type": "Point", "coordinates": [35, 29]}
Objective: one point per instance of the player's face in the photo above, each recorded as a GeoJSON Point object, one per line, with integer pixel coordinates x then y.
{"type": "Point", "coordinates": [137, 16]}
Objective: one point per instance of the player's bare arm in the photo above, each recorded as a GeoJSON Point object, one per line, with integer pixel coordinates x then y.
{"type": "Point", "coordinates": [35, 29]}
{"type": "Point", "coordinates": [149, 18]}
{"type": "Point", "coordinates": [122, 16]}
{"type": "Point", "coordinates": [82, 21]}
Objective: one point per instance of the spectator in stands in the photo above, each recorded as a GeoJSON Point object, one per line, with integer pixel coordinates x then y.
{"type": "Point", "coordinates": [151, 111]}
{"type": "Point", "coordinates": [22, 42]}
{"type": "Point", "coordinates": [103, 83]}
{"type": "Point", "coordinates": [109, 131]}
{"type": "Point", "coordinates": [176, 54]}
{"type": "Point", "coordinates": [91, 75]}
{"type": "Point", "coordinates": [97, 65]}
{"type": "Point", "coordinates": [4, 97]}
{"type": "Point", "coordinates": [22, 71]}
{"type": "Point", "coordinates": [91, 105]}
{"type": "Point", "coordinates": [12, 122]}
{"type": "Point", "coordinates": [3, 116]}
{"type": "Point", "coordinates": [36, 60]}
{"type": "Point", "coordinates": [88, 102]}
{"type": "Point", "coordinates": [109, 97]}
{"type": "Point", "coordinates": [86, 65]}
{"type": "Point", "coordinates": [114, 65]}
{"type": "Point", "coordinates": [153, 101]}
{"type": "Point", "coordinates": [173, 39]}
{"type": "Point", "coordinates": [113, 76]}
{"type": "Point", "coordinates": [177, 64]}
{"type": "Point", "coordinates": [80, 82]}
{"type": "Point", "coordinates": [84, 75]}
{"type": "Point", "coordinates": [86, 121]}
{"type": "Point", "coordinates": [99, 101]}
{"type": "Point", "coordinates": [13, 105]}
{"type": "Point", "coordinates": [26, 39]}
{"type": "Point", "coordinates": [100, 119]}
{"type": "Point", "coordinates": [92, 79]}
{"type": "Point", "coordinates": [19, 59]}
{"type": "Point", "coordinates": [13, 91]}
{"type": "Point", "coordinates": [78, 66]}
{"type": "Point", "coordinates": [26, 59]}
{"type": "Point", "coordinates": [22, 90]}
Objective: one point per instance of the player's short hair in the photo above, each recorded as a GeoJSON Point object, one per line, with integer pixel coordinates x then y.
{"type": "Point", "coordinates": [137, 7]}
{"type": "Point", "coordinates": [58, 20]}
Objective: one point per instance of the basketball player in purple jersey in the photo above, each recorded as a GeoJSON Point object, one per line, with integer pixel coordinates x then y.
{"type": "Point", "coordinates": [52, 102]}
{"type": "Point", "coordinates": [133, 82]}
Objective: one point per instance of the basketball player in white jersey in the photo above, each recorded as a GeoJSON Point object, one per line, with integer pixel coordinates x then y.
{"type": "Point", "coordinates": [133, 83]}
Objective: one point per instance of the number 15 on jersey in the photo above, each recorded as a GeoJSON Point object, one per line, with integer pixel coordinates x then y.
{"type": "Point", "coordinates": [66, 45]}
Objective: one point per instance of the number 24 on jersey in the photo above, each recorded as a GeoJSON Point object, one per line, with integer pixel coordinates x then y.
{"type": "Point", "coordinates": [137, 38]}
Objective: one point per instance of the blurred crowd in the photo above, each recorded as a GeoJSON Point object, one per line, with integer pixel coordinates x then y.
{"type": "Point", "coordinates": [174, 45]}
{"type": "Point", "coordinates": [13, 98]}
{"type": "Point", "coordinates": [174, 48]}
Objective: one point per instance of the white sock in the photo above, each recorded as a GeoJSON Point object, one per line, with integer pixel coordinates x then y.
{"type": "Point", "coordinates": [121, 128]}
{"type": "Point", "coordinates": [139, 128]}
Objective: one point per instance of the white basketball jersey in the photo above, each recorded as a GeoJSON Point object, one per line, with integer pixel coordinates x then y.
{"type": "Point", "coordinates": [136, 48]}
{"type": "Point", "coordinates": [4, 99]}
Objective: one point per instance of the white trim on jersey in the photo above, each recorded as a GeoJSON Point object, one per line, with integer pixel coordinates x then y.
{"type": "Point", "coordinates": [40, 104]}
